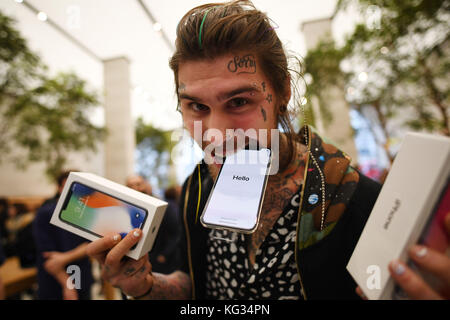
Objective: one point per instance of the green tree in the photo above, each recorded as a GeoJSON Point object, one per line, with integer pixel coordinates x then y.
{"type": "Point", "coordinates": [405, 51]}
{"type": "Point", "coordinates": [322, 65]}
{"type": "Point", "coordinates": [396, 61]}
{"type": "Point", "coordinates": [42, 118]}
{"type": "Point", "coordinates": [154, 148]}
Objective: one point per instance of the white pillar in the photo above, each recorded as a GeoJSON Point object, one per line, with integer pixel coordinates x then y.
{"type": "Point", "coordinates": [120, 142]}
{"type": "Point", "coordinates": [339, 130]}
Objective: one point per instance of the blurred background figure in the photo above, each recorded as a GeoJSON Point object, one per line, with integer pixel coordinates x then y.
{"type": "Point", "coordinates": [164, 255]}
{"type": "Point", "coordinates": [56, 249]}
{"type": "Point", "coordinates": [19, 235]}
{"type": "Point", "coordinates": [2, 260]}
{"type": "Point", "coordinates": [138, 183]}
{"type": "Point", "coordinates": [3, 218]}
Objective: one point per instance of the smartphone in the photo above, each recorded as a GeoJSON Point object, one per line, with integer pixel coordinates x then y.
{"type": "Point", "coordinates": [99, 213]}
{"type": "Point", "coordinates": [237, 196]}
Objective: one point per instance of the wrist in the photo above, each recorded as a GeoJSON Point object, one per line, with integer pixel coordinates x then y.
{"type": "Point", "coordinates": [147, 292]}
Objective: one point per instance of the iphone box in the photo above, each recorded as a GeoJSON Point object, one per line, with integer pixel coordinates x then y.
{"type": "Point", "coordinates": [92, 206]}
{"type": "Point", "coordinates": [410, 209]}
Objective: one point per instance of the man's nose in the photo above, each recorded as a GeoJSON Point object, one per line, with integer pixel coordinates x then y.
{"type": "Point", "coordinates": [216, 128]}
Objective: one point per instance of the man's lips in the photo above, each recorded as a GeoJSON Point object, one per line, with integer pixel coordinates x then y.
{"type": "Point", "coordinates": [226, 148]}
{"type": "Point", "coordinates": [217, 165]}
{"type": "Point", "coordinates": [217, 160]}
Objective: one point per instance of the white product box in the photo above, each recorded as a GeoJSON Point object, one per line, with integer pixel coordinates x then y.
{"type": "Point", "coordinates": [92, 206]}
{"type": "Point", "coordinates": [402, 213]}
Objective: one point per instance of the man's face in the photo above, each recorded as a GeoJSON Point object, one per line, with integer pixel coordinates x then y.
{"type": "Point", "coordinates": [138, 183]}
{"type": "Point", "coordinates": [229, 92]}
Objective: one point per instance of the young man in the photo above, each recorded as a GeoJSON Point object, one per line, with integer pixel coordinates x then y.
{"type": "Point", "coordinates": [231, 72]}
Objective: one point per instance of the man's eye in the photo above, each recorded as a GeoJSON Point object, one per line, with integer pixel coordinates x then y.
{"type": "Point", "coordinates": [198, 107]}
{"type": "Point", "coordinates": [238, 102]}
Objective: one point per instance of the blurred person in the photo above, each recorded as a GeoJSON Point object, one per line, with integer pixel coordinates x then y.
{"type": "Point", "coordinates": [164, 255]}
{"type": "Point", "coordinates": [138, 183]}
{"type": "Point", "coordinates": [231, 72]}
{"type": "Point", "coordinates": [2, 260]}
{"type": "Point", "coordinates": [20, 242]}
{"type": "Point", "coordinates": [56, 250]}
{"type": "Point", "coordinates": [3, 216]}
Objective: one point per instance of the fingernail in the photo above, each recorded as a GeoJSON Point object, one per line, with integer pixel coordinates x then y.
{"type": "Point", "coordinates": [398, 268]}
{"type": "Point", "coordinates": [116, 237]}
{"type": "Point", "coordinates": [137, 233]}
{"type": "Point", "coordinates": [420, 251]}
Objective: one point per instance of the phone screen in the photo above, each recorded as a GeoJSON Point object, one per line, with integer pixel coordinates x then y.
{"type": "Point", "coordinates": [99, 213]}
{"type": "Point", "coordinates": [236, 199]}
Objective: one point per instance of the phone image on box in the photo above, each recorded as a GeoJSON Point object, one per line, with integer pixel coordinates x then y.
{"type": "Point", "coordinates": [237, 196]}
{"type": "Point", "coordinates": [99, 213]}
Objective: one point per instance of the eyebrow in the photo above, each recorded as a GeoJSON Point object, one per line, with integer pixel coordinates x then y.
{"type": "Point", "coordinates": [188, 97]}
{"type": "Point", "coordinates": [237, 91]}
{"type": "Point", "coordinates": [223, 96]}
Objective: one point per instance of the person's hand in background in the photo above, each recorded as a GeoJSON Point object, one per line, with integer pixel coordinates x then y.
{"type": "Point", "coordinates": [55, 261]}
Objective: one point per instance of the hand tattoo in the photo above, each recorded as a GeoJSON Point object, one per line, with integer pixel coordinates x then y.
{"type": "Point", "coordinates": [129, 271]}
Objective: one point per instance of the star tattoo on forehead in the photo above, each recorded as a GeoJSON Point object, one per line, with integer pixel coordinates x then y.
{"type": "Point", "coordinates": [269, 98]}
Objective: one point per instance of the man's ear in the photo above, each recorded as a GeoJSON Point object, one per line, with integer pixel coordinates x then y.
{"type": "Point", "coordinates": [287, 92]}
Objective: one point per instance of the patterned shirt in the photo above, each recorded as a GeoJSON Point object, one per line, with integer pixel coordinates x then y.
{"type": "Point", "coordinates": [274, 274]}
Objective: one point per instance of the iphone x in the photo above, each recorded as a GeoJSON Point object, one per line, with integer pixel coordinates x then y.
{"type": "Point", "coordinates": [236, 198]}
{"type": "Point", "coordinates": [99, 213]}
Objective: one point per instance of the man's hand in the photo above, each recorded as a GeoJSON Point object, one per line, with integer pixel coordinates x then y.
{"type": "Point", "coordinates": [133, 277]}
{"type": "Point", "coordinates": [428, 260]}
